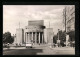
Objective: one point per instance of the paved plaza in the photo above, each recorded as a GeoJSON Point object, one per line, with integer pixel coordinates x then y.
{"type": "Point", "coordinates": [39, 50]}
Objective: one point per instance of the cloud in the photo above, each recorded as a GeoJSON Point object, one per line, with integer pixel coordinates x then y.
{"type": "Point", "coordinates": [13, 14]}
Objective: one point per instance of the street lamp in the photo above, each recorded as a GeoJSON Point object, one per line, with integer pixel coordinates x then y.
{"type": "Point", "coordinates": [58, 41]}
{"type": "Point", "coordinates": [58, 34]}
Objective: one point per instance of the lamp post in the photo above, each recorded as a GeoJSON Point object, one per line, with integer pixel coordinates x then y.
{"type": "Point", "coordinates": [58, 41]}
{"type": "Point", "coordinates": [67, 36]}
{"type": "Point", "coordinates": [58, 34]}
{"type": "Point", "coordinates": [64, 15]}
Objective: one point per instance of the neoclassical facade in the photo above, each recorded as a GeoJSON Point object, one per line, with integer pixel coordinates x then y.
{"type": "Point", "coordinates": [33, 33]}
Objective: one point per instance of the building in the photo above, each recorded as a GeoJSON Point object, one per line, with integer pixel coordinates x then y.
{"type": "Point", "coordinates": [19, 36]}
{"type": "Point", "coordinates": [69, 15]}
{"type": "Point", "coordinates": [33, 33]}
{"type": "Point", "coordinates": [69, 20]}
{"type": "Point", "coordinates": [48, 35]}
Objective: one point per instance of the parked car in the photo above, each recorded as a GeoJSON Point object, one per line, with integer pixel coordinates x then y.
{"type": "Point", "coordinates": [6, 45]}
{"type": "Point", "coordinates": [28, 45]}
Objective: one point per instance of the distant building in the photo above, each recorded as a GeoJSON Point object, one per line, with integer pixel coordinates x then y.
{"type": "Point", "coordinates": [19, 36]}
{"type": "Point", "coordinates": [69, 22]}
{"type": "Point", "coordinates": [33, 33]}
{"type": "Point", "coordinates": [48, 35]}
{"type": "Point", "coordinates": [69, 15]}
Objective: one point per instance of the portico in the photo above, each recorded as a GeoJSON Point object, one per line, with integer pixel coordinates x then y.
{"type": "Point", "coordinates": [34, 34]}
{"type": "Point", "coordinates": [34, 37]}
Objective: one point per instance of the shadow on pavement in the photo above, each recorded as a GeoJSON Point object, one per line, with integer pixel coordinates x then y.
{"type": "Point", "coordinates": [27, 51]}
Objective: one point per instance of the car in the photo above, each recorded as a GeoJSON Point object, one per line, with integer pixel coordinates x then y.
{"type": "Point", "coordinates": [28, 45]}
{"type": "Point", "coordinates": [6, 45]}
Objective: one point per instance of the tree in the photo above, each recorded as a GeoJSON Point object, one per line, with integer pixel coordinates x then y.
{"type": "Point", "coordinates": [7, 38]}
{"type": "Point", "coordinates": [62, 37]}
{"type": "Point", "coordinates": [72, 35]}
{"type": "Point", "coordinates": [55, 39]}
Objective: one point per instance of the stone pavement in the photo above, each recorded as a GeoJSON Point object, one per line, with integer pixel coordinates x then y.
{"type": "Point", "coordinates": [45, 50]}
{"type": "Point", "coordinates": [41, 45]}
{"type": "Point", "coordinates": [64, 50]}
{"type": "Point", "coordinates": [5, 49]}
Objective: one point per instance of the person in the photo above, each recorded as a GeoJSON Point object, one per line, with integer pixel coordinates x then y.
{"type": "Point", "coordinates": [39, 43]}
{"type": "Point", "coordinates": [16, 44]}
{"type": "Point", "coordinates": [19, 44]}
{"type": "Point", "coordinates": [8, 46]}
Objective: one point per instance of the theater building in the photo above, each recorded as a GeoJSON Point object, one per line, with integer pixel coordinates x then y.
{"type": "Point", "coordinates": [33, 33]}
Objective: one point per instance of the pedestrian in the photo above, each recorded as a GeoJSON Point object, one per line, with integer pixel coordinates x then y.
{"type": "Point", "coordinates": [39, 43]}
{"type": "Point", "coordinates": [8, 45]}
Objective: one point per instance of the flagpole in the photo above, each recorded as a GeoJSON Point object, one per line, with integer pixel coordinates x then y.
{"type": "Point", "coordinates": [19, 25]}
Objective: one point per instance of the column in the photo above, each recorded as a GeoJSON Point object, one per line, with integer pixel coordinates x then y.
{"type": "Point", "coordinates": [39, 37]}
{"type": "Point", "coordinates": [28, 37]}
{"type": "Point", "coordinates": [35, 37]}
{"type": "Point", "coordinates": [42, 37]}
{"type": "Point", "coordinates": [25, 37]}
{"type": "Point", "coordinates": [32, 37]}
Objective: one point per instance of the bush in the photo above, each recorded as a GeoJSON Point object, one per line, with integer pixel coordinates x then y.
{"type": "Point", "coordinates": [7, 38]}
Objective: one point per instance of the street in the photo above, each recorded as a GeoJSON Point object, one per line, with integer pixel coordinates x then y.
{"type": "Point", "coordinates": [39, 50]}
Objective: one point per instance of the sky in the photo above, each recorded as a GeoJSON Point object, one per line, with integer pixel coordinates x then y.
{"type": "Point", "coordinates": [13, 14]}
